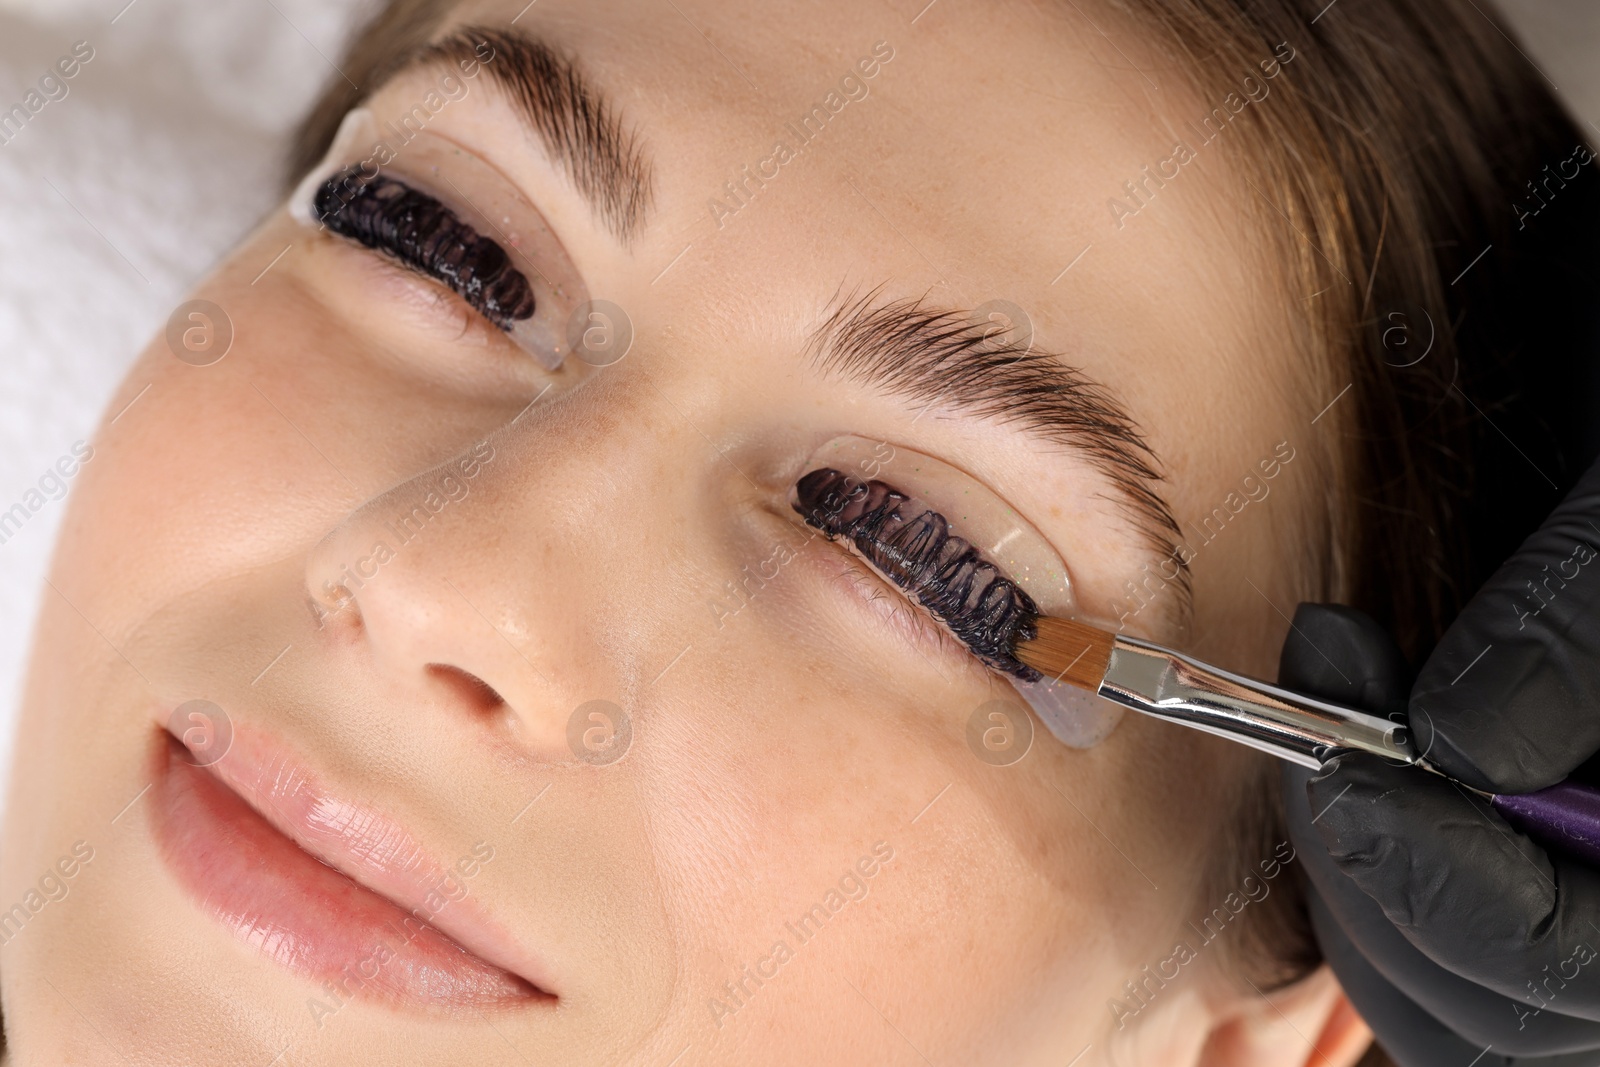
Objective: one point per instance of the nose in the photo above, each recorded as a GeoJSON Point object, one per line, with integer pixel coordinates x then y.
{"type": "Point", "coordinates": [404, 575]}
{"type": "Point", "coordinates": [496, 581]}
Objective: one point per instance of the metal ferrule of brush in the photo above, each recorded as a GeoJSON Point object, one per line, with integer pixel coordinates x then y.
{"type": "Point", "coordinates": [1162, 683]}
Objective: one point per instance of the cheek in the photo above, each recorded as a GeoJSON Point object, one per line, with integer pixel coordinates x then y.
{"type": "Point", "coordinates": [768, 784]}
{"type": "Point", "coordinates": [751, 779]}
{"type": "Point", "coordinates": [299, 422]}
{"type": "Point", "coordinates": [147, 510]}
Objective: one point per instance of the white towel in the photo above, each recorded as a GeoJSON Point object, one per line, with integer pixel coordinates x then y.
{"type": "Point", "coordinates": [114, 200]}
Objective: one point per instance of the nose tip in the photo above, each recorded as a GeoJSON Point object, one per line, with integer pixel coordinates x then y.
{"type": "Point", "coordinates": [406, 580]}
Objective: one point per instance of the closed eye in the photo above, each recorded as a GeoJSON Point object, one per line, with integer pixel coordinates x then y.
{"type": "Point", "coordinates": [913, 548]}
{"type": "Point", "coordinates": [414, 228]}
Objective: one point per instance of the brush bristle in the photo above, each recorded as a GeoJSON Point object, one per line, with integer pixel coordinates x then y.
{"type": "Point", "coordinates": [1074, 652]}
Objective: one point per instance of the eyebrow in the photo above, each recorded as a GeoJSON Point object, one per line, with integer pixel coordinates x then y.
{"type": "Point", "coordinates": [579, 126]}
{"type": "Point", "coordinates": [941, 356]}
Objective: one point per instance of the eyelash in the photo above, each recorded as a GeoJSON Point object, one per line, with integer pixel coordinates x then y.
{"type": "Point", "coordinates": [941, 571]}
{"type": "Point", "coordinates": [426, 236]}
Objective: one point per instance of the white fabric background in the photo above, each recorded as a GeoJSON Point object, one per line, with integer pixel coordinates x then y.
{"type": "Point", "coordinates": [116, 199]}
{"type": "Point", "coordinates": [166, 149]}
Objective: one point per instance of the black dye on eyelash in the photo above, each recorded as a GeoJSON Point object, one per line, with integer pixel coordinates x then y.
{"type": "Point", "coordinates": [422, 233]}
{"type": "Point", "coordinates": [914, 548]}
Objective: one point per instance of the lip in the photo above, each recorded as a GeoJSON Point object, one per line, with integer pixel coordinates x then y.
{"type": "Point", "coordinates": [334, 891]}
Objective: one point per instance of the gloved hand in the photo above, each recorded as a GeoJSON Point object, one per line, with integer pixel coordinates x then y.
{"type": "Point", "coordinates": [1459, 940]}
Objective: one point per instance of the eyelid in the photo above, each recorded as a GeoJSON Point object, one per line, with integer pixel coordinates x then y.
{"type": "Point", "coordinates": [981, 516]}
{"type": "Point", "coordinates": [1004, 539]}
{"type": "Point", "coordinates": [481, 198]}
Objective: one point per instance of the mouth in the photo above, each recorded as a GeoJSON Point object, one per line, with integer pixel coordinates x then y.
{"type": "Point", "coordinates": [336, 893]}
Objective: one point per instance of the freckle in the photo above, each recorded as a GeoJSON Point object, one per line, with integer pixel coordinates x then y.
{"type": "Point", "coordinates": [1055, 511]}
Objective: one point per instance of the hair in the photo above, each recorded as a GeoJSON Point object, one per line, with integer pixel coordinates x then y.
{"type": "Point", "coordinates": [1416, 165]}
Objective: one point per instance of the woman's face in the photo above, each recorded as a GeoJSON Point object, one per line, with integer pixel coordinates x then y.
{"type": "Point", "coordinates": [607, 757]}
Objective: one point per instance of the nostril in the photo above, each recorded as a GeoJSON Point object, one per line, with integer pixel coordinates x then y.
{"type": "Point", "coordinates": [469, 688]}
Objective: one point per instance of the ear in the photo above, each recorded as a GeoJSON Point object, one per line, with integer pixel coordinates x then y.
{"type": "Point", "coordinates": [1307, 1024]}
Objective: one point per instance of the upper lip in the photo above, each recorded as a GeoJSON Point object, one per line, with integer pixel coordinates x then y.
{"type": "Point", "coordinates": [367, 847]}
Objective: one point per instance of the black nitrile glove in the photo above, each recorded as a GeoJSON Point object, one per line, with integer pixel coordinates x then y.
{"type": "Point", "coordinates": [1459, 940]}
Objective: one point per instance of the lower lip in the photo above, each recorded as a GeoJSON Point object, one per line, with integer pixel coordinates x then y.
{"type": "Point", "coordinates": [307, 916]}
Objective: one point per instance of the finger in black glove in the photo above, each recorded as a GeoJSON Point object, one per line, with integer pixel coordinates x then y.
{"type": "Point", "coordinates": [1397, 859]}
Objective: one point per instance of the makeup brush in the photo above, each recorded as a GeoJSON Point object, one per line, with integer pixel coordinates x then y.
{"type": "Point", "coordinates": [1169, 685]}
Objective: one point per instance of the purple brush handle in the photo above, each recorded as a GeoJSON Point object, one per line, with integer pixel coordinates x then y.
{"type": "Point", "coordinates": [1566, 817]}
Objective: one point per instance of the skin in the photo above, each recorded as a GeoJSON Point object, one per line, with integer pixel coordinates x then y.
{"type": "Point", "coordinates": [769, 753]}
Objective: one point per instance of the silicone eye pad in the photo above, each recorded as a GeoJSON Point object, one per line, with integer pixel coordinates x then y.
{"type": "Point", "coordinates": [961, 552]}
{"type": "Point", "coordinates": [448, 214]}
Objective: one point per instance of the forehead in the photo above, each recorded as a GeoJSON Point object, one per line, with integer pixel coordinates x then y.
{"type": "Point", "coordinates": [980, 160]}
{"type": "Point", "coordinates": [997, 133]}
